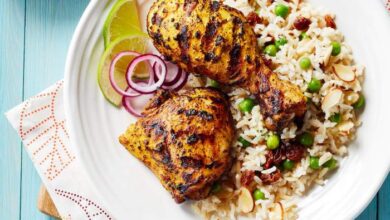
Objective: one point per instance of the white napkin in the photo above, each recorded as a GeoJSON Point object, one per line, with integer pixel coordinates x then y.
{"type": "Point", "coordinates": [41, 124]}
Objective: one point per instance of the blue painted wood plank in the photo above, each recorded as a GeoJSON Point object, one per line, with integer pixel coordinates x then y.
{"type": "Point", "coordinates": [12, 15]}
{"type": "Point", "coordinates": [384, 201]}
{"type": "Point", "coordinates": [49, 28]}
{"type": "Point", "coordinates": [370, 213]}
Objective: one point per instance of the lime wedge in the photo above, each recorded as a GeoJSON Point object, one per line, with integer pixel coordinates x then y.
{"type": "Point", "coordinates": [122, 20]}
{"type": "Point", "coordinates": [137, 43]}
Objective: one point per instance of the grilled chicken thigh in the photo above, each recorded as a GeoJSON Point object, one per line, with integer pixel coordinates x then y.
{"type": "Point", "coordinates": [209, 38]}
{"type": "Point", "coordinates": [184, 139]}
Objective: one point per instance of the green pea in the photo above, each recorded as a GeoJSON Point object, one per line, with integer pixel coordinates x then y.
{"type": "Point", "coordinates": [314, 85]}
{"type": "Point", "coordinates": [282, 10]}
{"type": "Point", "coordinates": [244, 142]}
{"type": "Point", "coordinates": [306, 139]}
{"type": "Point", "coordinates": [213, 83]}
{"type": "Point", "coordinates": [280, 42]}
{"type": "Point", "coordinates": [288, 164]}
{"type": "Point", "coordinates": [258, 194]}
{"type": "Point", "coordinates": [246, 105]}
{"type": "Point", "coordinates": [331, 164]}
{"type": "Point", "coordinates": [336, 118]}
{"type": "Point", "coordinates": [314, 163]}
{"type": "Point", "coordinates": [216, 188]}
{"type": "Point", "coordinates": [303, 35]}
{"type": "Point", "coordinates": [305, 63]}
{"type": "Point", "coordinates": [271, 50]}
{"type": "Point", "coordinates": [273, 142]}
{"type": "Point", "coordinates": [360, 102]}
{"type": "Point", "coordinates": [336, 48]}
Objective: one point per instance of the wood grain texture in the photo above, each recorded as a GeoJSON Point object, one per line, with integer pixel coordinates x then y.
{"type": "Point", "coordinates": [45, 203]}
{"type": "Point", "coordinates": [49, 28]}
{"type": "Point", "coordinates": [11, 88]}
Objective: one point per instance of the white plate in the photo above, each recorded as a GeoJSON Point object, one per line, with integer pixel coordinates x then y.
{"type": "Point", "coordinates": [129, 189]}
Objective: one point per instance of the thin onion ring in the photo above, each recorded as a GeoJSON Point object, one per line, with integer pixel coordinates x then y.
{"type": "Point", "coordinates": [168, 82]}
{"type": "Point", "coordinates": [133, 93]}
{"type": "Point", "coordinates": [179, 84]}
{"type": "Point", "coordinates": [150, 88]}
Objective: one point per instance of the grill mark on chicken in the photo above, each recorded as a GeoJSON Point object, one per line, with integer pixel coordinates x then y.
{"type": "Point", "coordinates": [193, 112]}
{"type": "Point", "coordinates": [158, 129]}
{"type": "Point", "coordinates": [193, 138]}
{"type": "Point", "coordinates": [191, 162]}
{"type": "Point", "coordinates": [235, 53]}
{"type": "Point", "coordinates": [275, 100]}
{"type": "Point", "coordinates": [187, 177]}
{"type": "Point", "coordinates": [211, 31]}
{"type": "Point", "coordinates": [214, 6]}
{"type": "Point", "coordinates": [183, 40]}
{"type": "Point", "coordinates": [184, 140]}
{"type": "Point", "coordinates": [156, 20]}
{"type": "Point", "coordinates": [234, 63]}
{"type": "Point", "coordinates": [234, 59]}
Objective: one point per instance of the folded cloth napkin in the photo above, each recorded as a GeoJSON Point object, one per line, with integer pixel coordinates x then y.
{"type": "Point", "coordinates": [41, 124]}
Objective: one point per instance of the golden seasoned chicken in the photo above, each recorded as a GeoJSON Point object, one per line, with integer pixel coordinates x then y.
{"type": "Point", "coordinates": [184, 139]}
{"type": "Point", "coordinates": [209, 38]}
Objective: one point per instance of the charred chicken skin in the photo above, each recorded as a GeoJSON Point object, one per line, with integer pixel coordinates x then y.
{"type": "Point", "coordinates": [184, 139]}
{"type": "Point", "coordinates": [206, 37]}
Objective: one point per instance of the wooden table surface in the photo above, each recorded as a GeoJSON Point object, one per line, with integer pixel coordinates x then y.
{"type": "Point", "coordinates": [34, 38]}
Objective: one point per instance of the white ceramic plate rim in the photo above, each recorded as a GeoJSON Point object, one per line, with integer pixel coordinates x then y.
{"type": "Point", "coordinates": [74, 59]}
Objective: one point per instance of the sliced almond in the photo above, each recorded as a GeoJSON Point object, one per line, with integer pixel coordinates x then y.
{"type": "Point", "coordinates": [345, 73]}
{"type": "Point", "coordinates": [245, 200]}
{"type": "Point", "coordinates": [351, 97]}
{"type": "Point", "coordinates": [327, 54]}
{"type": "Point", "coordinates": [346, 126]}
{"type": "Point", "coordinates": [331, 99]}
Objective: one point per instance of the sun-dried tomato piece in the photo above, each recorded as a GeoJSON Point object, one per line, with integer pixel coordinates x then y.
{"type": "Point", "coordinates": [270, 178]}
{"type": "Point", "coordinates": [295, 152]}
{"type": "Point", "coordinates": [287, 150]}
{"type": "Point", "coordinates": [302, 23]}
{"type": "Point", "coordinates": [279, 155]}
{"type": "Point", "coordinates": [269, 162]}
{"type": "Point", "coordinates": [330, 22]}
{"type": "Point", "coordinates": [247, 177]}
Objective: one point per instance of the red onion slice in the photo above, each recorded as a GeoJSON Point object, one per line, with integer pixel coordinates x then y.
{"type": "Point", "coordinates": [173, 74]}
{"type": "Point", "coordinates": [130, 93]}
{"type": "Point", "coordinates": [127, 102]}
{"type": "Point", "coordinates": [179, 84]}
{"type": "Point", "coordinates": [150, 88]}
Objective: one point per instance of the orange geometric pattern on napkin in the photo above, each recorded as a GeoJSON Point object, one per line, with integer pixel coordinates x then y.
{"type": "Point", "coordinates": [44, 133]}
{"type": "Point", "coordinates": [90, 208]}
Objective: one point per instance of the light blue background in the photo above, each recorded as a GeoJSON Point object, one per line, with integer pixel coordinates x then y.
{"type": "Point", "coordinates": [34, 37]}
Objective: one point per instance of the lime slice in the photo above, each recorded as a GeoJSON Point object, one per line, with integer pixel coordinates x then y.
{"type": "Point", "coordinates": [138, 43]}
{"type": "Point", "coordinates": [122, 20]}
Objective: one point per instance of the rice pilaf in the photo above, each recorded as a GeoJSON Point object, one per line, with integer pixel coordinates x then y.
{"type": "Point", "coordinates": [331, 118]}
